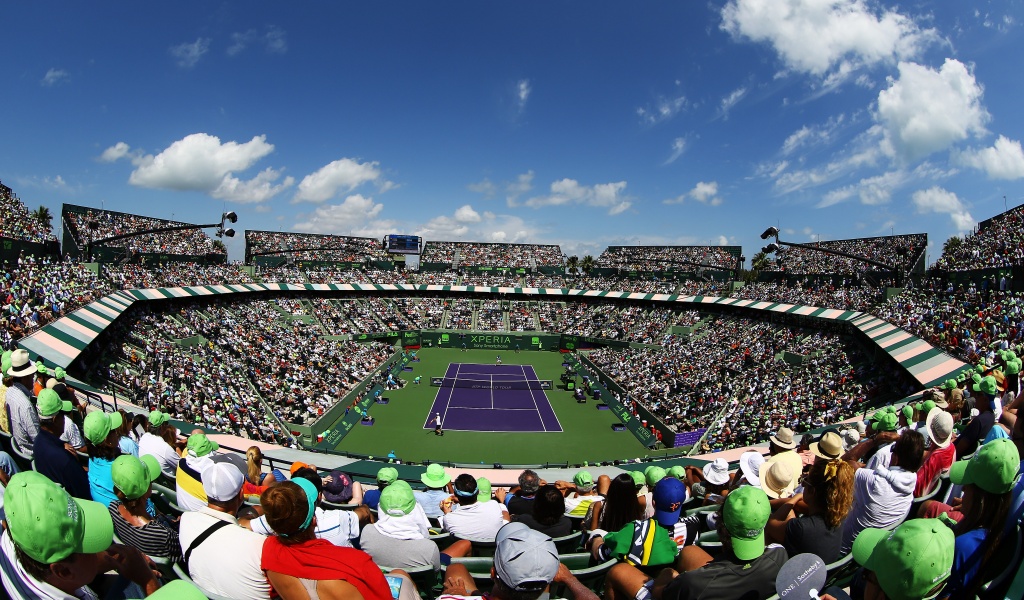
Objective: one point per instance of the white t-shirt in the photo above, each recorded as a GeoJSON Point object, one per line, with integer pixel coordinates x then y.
{"type": "Point", "coordinates": [164, 454]}
{"type": "Point", "coordinates": [577, 506]}
{"type": "Point", "coordinates": [338, 527]}
{"type": "Point", "coordinates": [881, 497]}
{"type": "Point", "coordinates": [479, 522]}
{"type": "Point", "coordinates": [228, 562]}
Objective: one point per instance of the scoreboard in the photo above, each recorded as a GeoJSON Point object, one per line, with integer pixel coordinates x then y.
{"type": "Point", "coordinates": [403, 244]}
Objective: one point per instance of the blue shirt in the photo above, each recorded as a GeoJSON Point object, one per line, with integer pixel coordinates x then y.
{"type": "Point", "coordinates": [371, 498]}
{"type": "Point", "coordinates": [1016, 504]}
{"type": "Point", "coordinates": [967, 559]}
{"type": "Point", "coordinates": [430, 500]}
{"type": "Point", "coordinates": [57, 464]}
{"type": "Point", "coordinates": [100, 482]}
{"type": "Point", "coordinates": [128, 446]}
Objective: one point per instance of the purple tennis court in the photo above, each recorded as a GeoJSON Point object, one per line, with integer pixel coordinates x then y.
{"type": "Point", "coordinates": [475, 397]}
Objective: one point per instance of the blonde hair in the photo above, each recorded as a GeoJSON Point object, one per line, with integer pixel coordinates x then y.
{"type": "Point", "coordinates": [833, 489]}
{"type": "Point", "coordinates": [254, 458]}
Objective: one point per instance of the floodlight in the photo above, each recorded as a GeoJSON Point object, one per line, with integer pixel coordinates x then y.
{"type": "Point", "coordinates": [770, 232]}
{"type": "Point", "coordinates": [230, 216]}
{"type": "Point", "coordinates": [229, 232]}
{"type": "Point", "coordinates": [770, 248]}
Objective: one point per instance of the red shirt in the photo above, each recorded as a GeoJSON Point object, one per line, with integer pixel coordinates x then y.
{"type": "Point", "coordinates": [937, 462]}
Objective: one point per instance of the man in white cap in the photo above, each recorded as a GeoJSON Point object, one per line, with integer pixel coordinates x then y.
{"type": "Point", "coordinates": [23, 416]}
{"type": "Point", "coordinates": [221, 556]}
{"type": "Point", "coordinates": [938, 427]}
{"type": "Point", "coordinates": [525, 563]}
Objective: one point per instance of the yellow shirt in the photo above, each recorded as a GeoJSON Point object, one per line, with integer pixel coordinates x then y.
{"type": "Point", "coordinates": [3, 409]}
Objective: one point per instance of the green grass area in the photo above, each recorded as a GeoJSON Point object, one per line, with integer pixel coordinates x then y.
{"type": "Point", "coordinates": [587, 434]}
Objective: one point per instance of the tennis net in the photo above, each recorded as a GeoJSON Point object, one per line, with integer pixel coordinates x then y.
{"type": "Point", "coordinates": [487, 384]}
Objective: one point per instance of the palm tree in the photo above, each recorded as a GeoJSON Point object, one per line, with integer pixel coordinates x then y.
{"type": "Point", "coordinates": [42, 214]}
{"type": "Point", "coordinates": [587, 264]}
{"type": "Point", "coordinates": [573, 263]}
{"type": "Point", "coordinates": [759, 262]}
{"type": "Point", "coordinates": [219, 247]}
{"type": "Point", "coordinates": [952, 245]}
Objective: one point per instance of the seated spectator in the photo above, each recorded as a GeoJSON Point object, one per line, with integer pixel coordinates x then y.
{"type": "Point", "coordinates": [978, 427]}
{"type": "Point", "coordinates": [254, 475]}
{"type": "Point", "coordinates": [400, 539]}
{"type": "Point", "coordinates": [776, 480]}
{"type": "Point", "coordinates": [158, 441]}
{"type": "Point", "coordinates": [301, 566]}
{"type": "Point", "coordinates": [226, 561]}
{"type": "Point", "coordinates": [828, 496]}
{"type": "Point", "coordinates": [125, 441]}
{"type": "Point", "coordinates": [153, 533]}
{"type": "Point", "coordinates": [519, 501]}
{"type": "Point", "coordinates": [191, 494]}
{"type": "Point", "coordinates": [750, 469]}
{"type": "Point", "coordinates": [579, 494]}
{"type": "Point", "coordinates": [525, 563]}
{"type": "Point", "coordinates": [72, 435]}
{"type": "Point", "coordinates": [883, 496]}
{"type": "Point", "coordinates": [914, 561]}
{"type": "Point", "coordinates": [484, 485]}
{"type": "Point", "coordinates": [879, 440]}
{"type": "Point", "coordinates": [102, 435]}
{"type": "Point", "coordinates": [713, 478]}
{"type": "Point", "coordinates": [549, 513]}
{"type": "Point", "coordinates": [339, 488]}
{"type": "Point", "coordinates": [619, 507]}
{"type": "Point", "coordinates": [340, 527]}
{"type": "Point", "coordinates": [783, 448]}
{"type": "Point", "coordinates": [467, 518]}
{"type": "Point", "coordinates": [938, 459]}
{"type": "Point", "coordinates": [51, 457]}
{"type": "Point", "coordinates": [385, 477]}
{"type": "Point", "coordinates": [54, 545]}
{"type": "Point", "coordinates": [745, 569]}
{"type": "Point", "coordinates": [438, 490]}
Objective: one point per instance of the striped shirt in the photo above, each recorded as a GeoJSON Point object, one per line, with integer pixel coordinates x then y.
{"type": "Point", "coordinates": [154, 538]}
{"type": "Point", "coordinates": [20, 584]}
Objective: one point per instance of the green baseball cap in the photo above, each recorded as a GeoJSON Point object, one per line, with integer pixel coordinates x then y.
{"type": "Point", "coordinates": [910, 561]}
{"type": "Point", "coordinates": [98, 425]}
{"type": "Point", "coordinates": [993, 469]}
{"type": "Point", "coordinates": [49, 403]}
{"type": "Point", "coordinates": [949, 384]}
{"type": "Point", "coordinates": [677, 471]}
{"type": "Point", "coordinates": [638, 478]}
{"type": "Point", "coordinates": [59, 373]}
{"type": "Point", "coordinates": [133, 475]}
{"type": "Point", "coordinates": [41, 368]}
{"type": "Point", "coordinates": [653, 475]}
{"type": "Point", "coordinates": [584, 481]}
{"type": "Point", "coordinates": [179, 589]}
{"type": "Point", "coordinates": [987, 386]}
{"type": "Point", "coordinates": [397, 500]}
{"type": "Point", "coordinates": [48, 524]}
{"type": "Point", "coordinates": [435, 477]}
{"type": "Point", "coordinates": [387, 475]}
{"type": "Point", "coordinates": [908, 411]}
{"type": "Point", "coordinates": [885, 421]}
{"type": "Point", "coordinates": [745, 513]}
{"type": "Point", "coordinates": [5, 365]}
{"type": "Point", "coordinates": [200, 445]}
{"type": "Point", "coordinates": [928, 406]}
{"type": "Point", "coordinates": [157, 418]}
{"type": "Point", "coordinates": [483, 485]}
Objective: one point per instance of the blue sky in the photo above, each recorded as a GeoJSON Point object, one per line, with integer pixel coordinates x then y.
{"type": "Point", "coordinates": [580, 123]}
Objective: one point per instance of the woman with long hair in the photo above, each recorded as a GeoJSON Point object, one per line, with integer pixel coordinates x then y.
{"type": "Point", "coordinates": [548, 516]}
{"type": "Point", "coordinates": [254, 475]}
{"type": "Point", "coordinates": [619, 507]}
{"type": "Point", "coordinates": [299, 565]}
{"type": "Point", "coordinates": [828, 496]}
{"type": "Point", "coordinates": [102, 432]}
{"type": "Point", "coordinates": [988, 480]}
{"type": "Point", "coordinates": [125, 442]}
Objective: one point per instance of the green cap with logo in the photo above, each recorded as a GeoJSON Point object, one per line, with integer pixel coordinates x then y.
{"type": "Point", "coordinates": [397, 500]}
{"type": "Point", "coordinates": [584, 481]}
{"type": "Point", "coordinates": [745, 513]}
{"type": "Point", "coordinates": [949, 385]}
{"type": "Point", "coordinates": [677, 471]}
{"type": "Point", "coordinates": [993, 468]}
{"type": "Point", "coordinates": [200, 445]}
{"type": "Point", "coordinates": [987, 385]}
{"type": "Point", "coordinates": [654, 474]}
{"type": "Point", "coordinates": [158, 418]}
{"type": "Point", "coordinates": [638, 478]}
{"type": "Point", "coordinates": [48, 524]}
{"type": "Point", "coordinates": [59, 373]}
{"type": "Point", "coordinates": [885, 421]}
{"type": "Point", "coordinates": [48, 403]}
{"type": "Point", "coordinates": [98, 425]}
{"type": "Point", "coordinates": [387, 475]}
{"type": "Point", "coordinates": [133, 475]}
{"type": "Point", "coordinates": [909, 562]}
{"type": "Point", "coordinates": [483, 486]}
{"type": "Point", "coordinates": [929, 405]}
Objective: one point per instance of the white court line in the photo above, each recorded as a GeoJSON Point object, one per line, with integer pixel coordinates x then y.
{"type": "Point", "coordinates": [546, 399]}
{"type": "Point", "coordinates": [492, 392]}
{"type": "Point", "coordinates": [450, 394]}
{"type": "Point", "coordinates": [534, 398]}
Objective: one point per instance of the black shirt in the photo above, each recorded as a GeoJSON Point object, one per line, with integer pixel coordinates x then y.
{"type": "Point", "coordinates": [518, 505]}
{"type": "Point", "coordinates": [561, 528]}
{"type": "Point", "coordinates": [811, 534]}
{"type": "Point", "coordinates": [57, 464]}
{"type": "Point", "coordinates": [728, 578]}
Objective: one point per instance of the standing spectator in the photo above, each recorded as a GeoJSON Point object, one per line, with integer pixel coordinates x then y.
{"type": "Point", "coordinates": [438, 489]}
{"type": "Point", "coordinates": [51, 457]}
{"type": "Point", "coordinates": [23, 417]}
{"type": "Point", "coordinates": [101, 434]}
{"type": "Point", "coordinates": [472, 520]}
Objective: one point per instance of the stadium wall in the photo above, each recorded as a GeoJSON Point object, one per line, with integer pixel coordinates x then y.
{"type": "Point", "coordinates": [11, 250]}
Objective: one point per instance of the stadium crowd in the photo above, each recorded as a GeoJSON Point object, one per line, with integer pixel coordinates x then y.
{"type": "Point", "coordinates": [17, 223]}
{"type": "Point", "coordinates": [1000, 244]}
{"type": "Point", "coordinates": [519, 256]}
{"type": "Point", "coordinates": [665, 258]}
{"type": "Point", "coordinates": [899, 251]}
{"type": "Point", "coordinates": [315, 247]}
{"type": "Point", "coordinates": [189, 242]}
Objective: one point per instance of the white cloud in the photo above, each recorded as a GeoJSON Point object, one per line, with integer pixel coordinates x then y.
{"type": "Point", "coordinates": [340, 176]}
{"type": "Point", "coordinates": [938, 200]}
{"type": "Point", "coordinates": [466, 214]}
{"type": "Point", "coordinates": [523, 90]}
{"type": "Point", "coordinates": [189, 53]}
{"type": "Point", "coordinates": [811, 135]}
{"type": "Point", "coordinates": [731, 100]}
{"type": "Point", "coordinates": [705, 192]}
{"type": "Point", "coordinates": [115, 152]}
{"type": "Point", "coordinates": [879, 189]}
{"type": "Point", "coordinates": [827, 38]}
{"type": "Point", "coordinates": [678, 147]}
{"type": "Point", "coordinates": [356, 215]}
{"type": "Point", "coordinates": [927, 110]}
{"type": "Point", "coordinates": [569, 191]}
{"type": "Point", "coordinates": [485, 187]}
{"type": "Point", "coordinates": [489, 227]}
{"type": "Point", "coordinates": [200, 162]}
{"type": "Point", "coordinates": [663, 109]}
{"type": "Point", "coordinates": [274, 41]}
{"type": "Point", "coordinates": [54, 77]}
{"type": "Point", "coordinates": [514, 189]}
{"type": "Point", "coordinates": [1003, 160]}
